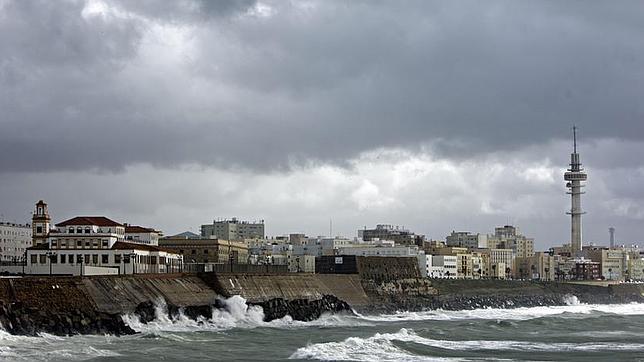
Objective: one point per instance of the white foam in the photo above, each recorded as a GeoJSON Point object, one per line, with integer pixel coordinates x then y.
{"type": "Point", "coordinates": [380, 347]}
{"type": "Point", "coordinates": [376, 348]}
{"type": "Point", "coordinates": [574, 308]}
{"type": "Point", "coordinates": [49, 347]}
{"type": "Point", "coordinates": [236, 314]}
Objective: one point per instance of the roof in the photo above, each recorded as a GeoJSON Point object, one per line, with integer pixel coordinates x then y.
{"type": "Point", "coordinates": [122, 245]}
{"type": "Point", "coordinates": [185, 235]}
{"type": "Point", "coordinates": [138, 229]}
{"type": "Point", "coordinates": [89, 220]}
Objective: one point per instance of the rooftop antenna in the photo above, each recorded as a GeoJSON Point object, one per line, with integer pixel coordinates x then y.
{"type": "Point", "coordinates": [574, 138]}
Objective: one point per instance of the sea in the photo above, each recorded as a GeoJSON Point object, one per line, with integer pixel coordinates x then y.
{"type": "Point", "coordinates": [573, 332]}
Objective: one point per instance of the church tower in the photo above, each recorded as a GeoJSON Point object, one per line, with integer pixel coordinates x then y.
{"type": "Point", "coordinates": [40, 223]}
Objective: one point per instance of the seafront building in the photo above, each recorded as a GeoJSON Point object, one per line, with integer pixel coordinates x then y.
{"type": "Point", "coordinates": [466, 239]}
{"type": "Point", "coordinates": [196, 249]}
{"type": "Point", "coordinates": [14, 241]}
{"type": "Point", "coordinates": [94, 245]}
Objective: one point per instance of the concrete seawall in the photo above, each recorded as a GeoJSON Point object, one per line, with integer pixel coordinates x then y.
{"type": "Point", "coordinates": [67, 305]}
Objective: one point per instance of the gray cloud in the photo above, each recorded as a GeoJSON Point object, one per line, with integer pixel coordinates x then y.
{"type": "Point", "coordinates": [263, 85]}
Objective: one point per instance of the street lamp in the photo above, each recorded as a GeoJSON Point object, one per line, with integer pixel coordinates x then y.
{"type": "Point", "coordinates": [133, 261]}
{"type": "Point", "coordinates": [50, 254]}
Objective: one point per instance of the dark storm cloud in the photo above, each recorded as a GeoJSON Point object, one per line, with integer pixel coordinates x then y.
{"type": "Point", "coordinates": [262, 85]}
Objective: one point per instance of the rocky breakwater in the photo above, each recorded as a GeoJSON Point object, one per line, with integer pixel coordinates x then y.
{"type": "Point", "coordinates": [302, 309]}
{"type": "Point", "coordinates": [57, 306]}
{"type": "Point", "coordinates": [299, 309]}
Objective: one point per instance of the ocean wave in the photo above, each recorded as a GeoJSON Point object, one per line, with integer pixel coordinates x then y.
{"type": "Point", "coordinates": [47, 347]}
{"type": "Point", "coordinates": [381, 347]}
{"type": "Point", "coordinates": [574, 309]}
{"type": "Point", "coordinates": [236, 314]}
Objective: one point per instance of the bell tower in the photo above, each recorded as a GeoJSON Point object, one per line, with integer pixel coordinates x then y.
{"type": "Point", "coordinates": [40, 223]}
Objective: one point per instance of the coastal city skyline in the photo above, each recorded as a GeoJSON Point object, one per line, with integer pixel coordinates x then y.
{"type": "Point", "coordinates": [178, 114]}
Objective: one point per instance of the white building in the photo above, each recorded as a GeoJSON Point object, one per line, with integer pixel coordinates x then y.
{"type": "Point", "coordinates": [14, 241]}
{"type": "Point", "coordinates": [95, 245]}
{"type": "Point", "coordinates": [141, 235]}
{"type": "Point", "coordinates": [442, 266]}
{"type": "Point", "coordinates": [301, 263]}
{"type": "Point", "coordinates": [392, 251]}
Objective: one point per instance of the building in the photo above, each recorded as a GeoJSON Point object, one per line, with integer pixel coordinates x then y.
{"type": "Point", "coordinates": [509, 237]}
{"type": "Point", "coordinates": [206, 250]}
{"type": "Point", "coordinates": [387, 251]}
{"type": "Point", "coordinates": [233, 229]}
{"type": "Point", "coordinates": [389, 232]}
{"type": "Point", "coordinates": [301, 263]}
{"type": "Point", "coordinates": [141, 235]}
{"type": "Point", "coordinates": [613, 262]}
{"type": "Point", "coordinates": [541, 266]}
{"type": "Point", "coordinates": [40, 223]}
{"type": "Point", "coordinates": [93, 245]}
{"type": "Point", "coordinates": [586, 270]}
{"type": "Point", "coordinates": [466, 239]}
{"type": "Point", "coordinates": [442, 266]}
{"type": "Point", "coordinates": [574, 178]}
{"type": "Point", "coordinates": [14, 241]}
{"type": "Point", "coordinates": [501, 262]}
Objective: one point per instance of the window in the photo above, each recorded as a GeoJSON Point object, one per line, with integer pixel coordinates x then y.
{"type": "Point", "coordinates": [153, 260]}
{"type": "Point", "coordinates": [105, 258]}
{"type": "Point", "coordinates": [34, 259]}
{"type": "Point", "coordinates": [205, 251]}
{"type": "Point", "coordinates": [104, 243]}
{"type": "Point", "coordinates": [87, 243]}
{"type": "Point", "coordinates": [194, 251]}
{"type": "Point", "coordinates": [54, 243]}
{"type": "Point", "coordinates": [87, 231]}
{"type": "Point", "coordinates": [43, 259]}
{"type": "Point", "coordinates": [117, 258]}
{"type": "Point", "coordinates": [70, 231]}
{"type": "Point", "coordinates": [95, 259]}
{"type": "Point", "coordinates": [95, 244]}
{"type": "Point", "coordinates": [79, 230]}
{"type": "Point", "coordinates": [126, 259]}
{"type": "Point", "coordinates": [86, 258]}
{"type": "Point", "coordinates": [71, 258]}
{"type": "Point", "coordinates": [39, 229]}
{"type": "Point", "coordinates": [54, 258]}
{"type": "Point", "coordinates": [63, 258]}
{"type": "Point", "coordinates": [79, 243]}
{"type": "Point", "coordinates": [63, 244]}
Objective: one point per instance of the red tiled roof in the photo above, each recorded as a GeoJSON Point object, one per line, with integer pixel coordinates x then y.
{"type": "Point", "coordinates": [122, 245]}
{"type": "Point", "coordinates": [89, 220]}
{"type": "Point", "coordinates": [138, 229]}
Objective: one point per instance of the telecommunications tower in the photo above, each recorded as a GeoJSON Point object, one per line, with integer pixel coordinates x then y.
{"type": "Point", "coordinates": [574, 178]}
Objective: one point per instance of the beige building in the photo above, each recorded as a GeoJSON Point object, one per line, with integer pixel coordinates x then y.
{"type": "Point", "coordinates": [233, 229]}
{"type": "Point", "coordinates": [539, 267]}
{"type": "Point", "coordinates": [613, 262]}
{"type": "Point", "coordinates": [205, 250]}
{"type": "Point", "coordinates": [508, 237]}
{"type": "Point", "coordinates": [636, 268]}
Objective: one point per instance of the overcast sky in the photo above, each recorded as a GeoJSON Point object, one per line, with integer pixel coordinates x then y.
{"type": "Point", "coordinates": [436, 116]}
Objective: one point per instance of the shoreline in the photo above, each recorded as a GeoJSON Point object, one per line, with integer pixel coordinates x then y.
{"type": "Point", "coordinates": [95, 305]}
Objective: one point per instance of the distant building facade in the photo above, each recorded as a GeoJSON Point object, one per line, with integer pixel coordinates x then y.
{"type": "Point", "coordinates": [14, 241]}
{"type": "Point", "coordinates": [233, 229]}
{"type": "Point", "coordinates": [390, 232]}
{"type": "Point", "coordinates": [206, 250]}
{"type": "Point", "coordinates": [466, 239]}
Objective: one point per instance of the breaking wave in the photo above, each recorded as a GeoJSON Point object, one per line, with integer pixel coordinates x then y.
{"type": "Point", "coordinates": [381, 347]}
{"type": "Point", "coordinates": [572, 308]}
{"type": "Point", "coordinates": [236, 314]}
{"type": "Point", "coordinates": [48, 347]}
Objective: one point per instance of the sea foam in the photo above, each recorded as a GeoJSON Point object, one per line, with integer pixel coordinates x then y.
{"type": "Point", "coordinates": [381, 347]}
